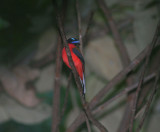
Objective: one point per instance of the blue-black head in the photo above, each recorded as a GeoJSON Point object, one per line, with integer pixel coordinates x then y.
{"type": "Point", "coordinates": [73, 41]}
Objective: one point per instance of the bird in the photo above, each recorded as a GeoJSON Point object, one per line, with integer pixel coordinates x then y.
{"type": "Point", "coordinates": [78, 60]}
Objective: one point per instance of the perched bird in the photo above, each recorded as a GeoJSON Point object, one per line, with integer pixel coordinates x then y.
{"type": "Point", "coordinates": [77, 59]}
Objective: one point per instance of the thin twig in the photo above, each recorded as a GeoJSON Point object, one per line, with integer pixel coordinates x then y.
{"type": "Point", "coordinates": [88, 26]}
{"type": "Point", "coordinates": [118, 40]}
{"type": "Point", "coordinates": [155, 38]}
{"type": "Point", "coordinates": [103, 30]}
{"type": "Point", "coordinates": [89, 23]}
{"type": "Point", "coordinates": [50, 57]}
{"type": "Point", "coordinates": [155, 87]}
{"type": "Point", "coordinates": [66, 95]}
{"type": "Point", "coordinates": [139, 112]}
{"type": "Point", "coordinates": [88, 124]}
{"type": "Point", "coordinates": [124, 91]}
{"type": "Point", "coordinates": [94, 121]}
{"type": "Point", "coordinates": [56, 97]}
{"type": "Point", "coordinates": [79, 25]}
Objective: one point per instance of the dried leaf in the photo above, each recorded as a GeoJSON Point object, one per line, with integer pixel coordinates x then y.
{"type": "Point", "coordinates": [102, 57]}
{"type": "Point", "coordinates": [14, 84]}
{"type": "Point", "coordinates": [47, 43]}
{"type": "Point", "coordinates": [46, 79]}
{"type": "Point", "coordinates": [23, 114]}
{"type": "Point", "coordinates": [3, 115]}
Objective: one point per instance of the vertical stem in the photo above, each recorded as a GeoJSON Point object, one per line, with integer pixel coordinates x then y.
{"type": "Point", "coordinates": [56, 96]}
{"type": "Point", "coordinates": [66, 95]}
{"type": "Point", "coordinates": [79, 25]}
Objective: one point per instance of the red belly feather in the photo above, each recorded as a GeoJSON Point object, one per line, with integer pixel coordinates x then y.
{"type": "Point", "coordinates": [77, 62]}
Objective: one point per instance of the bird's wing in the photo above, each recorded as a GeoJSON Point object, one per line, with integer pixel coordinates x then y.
{"type": "Point", "coordinates": [78, 54]}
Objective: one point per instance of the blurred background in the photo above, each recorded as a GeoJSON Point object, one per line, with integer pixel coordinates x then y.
{"type": "Point", "coordinates": [28, 41]}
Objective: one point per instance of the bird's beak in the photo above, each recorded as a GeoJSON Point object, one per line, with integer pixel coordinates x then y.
{"type": "Point", "coordinates": [76, 42]}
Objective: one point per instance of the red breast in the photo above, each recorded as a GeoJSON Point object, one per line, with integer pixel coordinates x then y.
{"type": "Point", "coordinates": [77, 62]}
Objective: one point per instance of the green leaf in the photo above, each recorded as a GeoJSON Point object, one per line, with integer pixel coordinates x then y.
{"type": "Point", "coordinates": [3, 23]}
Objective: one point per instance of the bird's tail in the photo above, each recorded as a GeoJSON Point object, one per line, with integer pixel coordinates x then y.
{"type": "Point", "coordinates": [83, 85]}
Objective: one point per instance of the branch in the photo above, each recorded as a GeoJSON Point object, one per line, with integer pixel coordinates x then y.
{"type": "Point", "coordinates": [88, 125]}
{"type": "Point", "coordinates": [88, 26]}
{"type": "Point", "coordinates": [118, 40]}
{"type": "Point", "coordinates": [66, 95]}
{"type": "Point", "coordinates": [104, 29]}
{"type": "Point", "coordinates": [79, 24]}
{"type": "Point", "coordinates": [50, 57]}
{"type": "Point", "coordinates": [56, 97]}
{"type": "Point", "coordinates": [155, 87]}
{"type": "Point", "coordinates": [124, 91]}
{"type": "Point", "coordinates": [155, 38]}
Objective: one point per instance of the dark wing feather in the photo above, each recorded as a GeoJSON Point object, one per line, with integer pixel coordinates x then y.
{"type": "Point", "coordinates": [78, 54]}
